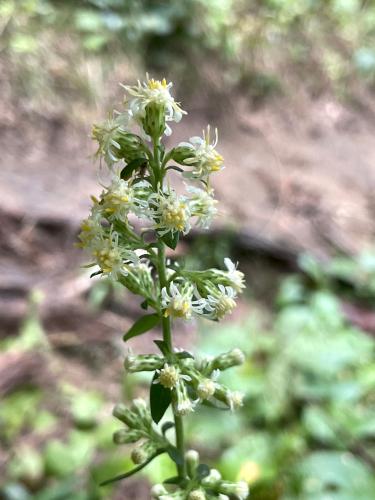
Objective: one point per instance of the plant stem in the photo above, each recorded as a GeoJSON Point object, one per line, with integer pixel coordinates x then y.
{"type": "Point", "coordinates": [167, 335]}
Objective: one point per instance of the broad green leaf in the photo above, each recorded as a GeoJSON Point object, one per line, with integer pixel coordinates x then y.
{"type": "Point", "coordinates": [142, 325]}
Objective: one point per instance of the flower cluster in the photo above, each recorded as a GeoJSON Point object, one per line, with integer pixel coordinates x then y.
{"type": "Point", "coordinates": [137, 215]}
{"type": "Point", "coordinates": [191, 381]}
{"type": "Point", "coordinates": [202, 484]}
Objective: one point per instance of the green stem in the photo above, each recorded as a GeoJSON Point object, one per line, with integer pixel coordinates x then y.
{"type": "Point", "coordinates": [167, 332]}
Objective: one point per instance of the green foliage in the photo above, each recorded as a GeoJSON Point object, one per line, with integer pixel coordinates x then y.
{"type": "Point", "coordinates": [307, 427]}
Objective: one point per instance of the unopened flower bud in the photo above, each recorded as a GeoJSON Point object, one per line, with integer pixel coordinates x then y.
{"type": "Point", "coordinates": [240, 489]}
{"type": "Point", "coordinates": [197, 495]}
{"type": "Point", "coordinates": [158, 490]}
{"type": "Point", "coordinates": [126, 416]}
{"type": "Point", "coordinates": [140, 408]}
{"type": "Point", "coordinates": [143, 363]}
{"type": "Point", "coordinates": [182, 153]}
{"type": "Point", "coordinates": [228, 359]}
{"type": "Point", "coordinates": [154, 120]}
{"type": "Point", "coordinates": [206, 388]}
{"type": "Point", "coordinates": [213, 477]}
{"type": "Point", "coordinates": [192, 462]}
{"type": "Point", "coordinates": [143, 452]}
{"type": "Point", "coordinates": [126, 436]}
{"type": "Point", "coordinates": [131, 147]}
{"type": "Point", "coordinates": [234, 399]}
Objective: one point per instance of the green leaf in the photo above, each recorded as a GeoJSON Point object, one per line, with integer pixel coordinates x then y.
{"type": "Point", "coordinates": [171, 239]}
{"type": "Point", "coordinates": [160, 399]}
{"type": "Point", "coordinates": [142, 325]}
{"type": "Point", "coordinates": [162, 346]}
{"type": "Point", "coordinates": [184, 355]}
{"type": "Point", "coordinates": [127, 171]}
{"type": "Point", "coordinates": [144, 305]}
{"type": "Point", "coordinates": [132, 471]}
{"type": "Point", "coordinates": [173, 480]}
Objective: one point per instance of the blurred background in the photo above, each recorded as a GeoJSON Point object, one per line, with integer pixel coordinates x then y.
{"type": "Point", "coordinates": [290, 84]}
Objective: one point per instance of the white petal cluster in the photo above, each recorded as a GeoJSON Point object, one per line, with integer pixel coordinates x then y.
{"type": "Point", "coordinates": [170, 212]}
{"type": "Point", "coordinates": [221, 301]}
{"type": "Point", "coordinates": [153, 92]}
{"type": "Point", "coordinates": [178, 301]}
{"type": "Point", "coordinates": [204, 159]}
{"type": "Point", "coordinates": [111, 257]}
{"type": "Point", "coordinates": [202, 205]}
{"type": "Point", "coordinates": [107, 134]}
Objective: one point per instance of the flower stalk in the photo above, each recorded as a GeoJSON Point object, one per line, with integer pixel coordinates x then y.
{"type": "Point", "coordinates": [131, 145]}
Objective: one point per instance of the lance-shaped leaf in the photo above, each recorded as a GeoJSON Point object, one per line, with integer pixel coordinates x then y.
{"type": "Point", "coordinates": [142, 325]}
{"type": "Point", "coordinates": [160, 399]}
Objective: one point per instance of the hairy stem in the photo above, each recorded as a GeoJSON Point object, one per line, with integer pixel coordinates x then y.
{"type": "Point", "coordinates": [167, 336]}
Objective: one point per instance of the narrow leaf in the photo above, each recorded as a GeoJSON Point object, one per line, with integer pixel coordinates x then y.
{"type": "Point", "coordinates": [132, 471]}
{"type": "Point", "coordinates": [175, 167]}
{"type": "Point", "coordinates": [160, 399]}
{"type": "Point", "coordinates": [142, 325]}
{"type": "Point", "coordinates": [184, 355]}
{"type": "Point", "coordinates": [173, 480]}
{"type": "Point", "coordinates": [96, 274]}
{"type": "Point", "coordinates": [144, 304]}
{"type": "Point", "coordinates": [127, 171]}
{"type": "Point", "coordinates": [162, 346]}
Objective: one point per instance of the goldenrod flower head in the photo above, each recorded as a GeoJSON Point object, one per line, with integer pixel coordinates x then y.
{"type": "Point", "coordinates": [179, 302]}
{"type": "Point", "coordinates": [197, 495]}
{"type": "Point", "coordinates": [205, 160]}
{"type": "Point", "coordinates": [170, 212]}
{"type": "Point", "coordinates": [157, 93]}
{"type": "Point", "coordinates": [236, 277]}
{"type": "Point", "coordinates": [183, 404]}
{"type": "Point", "coordinates": [92, 229]}
{"type": "Point", "coordinates": [111, 257]}
{"type": "Point", "coordinates": [234, 399]}
{"type": "Point", "coordinates": [168, 376]}
{"type": "Point", "coordinates": [206, 388]}
{"type": "Point", "coordinates": [107, 135]}
{"type": "Point", "coordinates": [202, 205]}
{"type": "Point", "coordinates": [221, 302]}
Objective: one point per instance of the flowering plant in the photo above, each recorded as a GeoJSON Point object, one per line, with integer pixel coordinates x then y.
{"type": "Point", "coordinates": [131, 145]}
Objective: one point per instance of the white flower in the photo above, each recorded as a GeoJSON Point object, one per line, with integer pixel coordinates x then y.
{"type": "Point", "coordinates": [107, 134]}
{"type": "Point", "coordinates": [158, 490]}
{"type": "Point", "coordinates": [179, 302]}
{"type": "Point", "coordinates": [111, 257]}
{"type": "Point", "coordinates": [170, 212]}
{"type": "Point", "coordinates": [205, 159]}
{"type": "Point", "coordinates": [242, 490]}
{"type": "Point", "coordinates": [235, 276]}
{"type": "Point", "coordinates": [202, 205]}
{"type": "Point", "coordinates": [92, 229]}
{"type": "Point", "coordinates": [213, 477]}
{"type": "Point", "coordinates": [234, 399]}
{"type": "Point", "coordinates": [221, 302]}
{"type": "Point", "coordinates": [118, 199]}
{"type": "Point", "coordinates": [167, 376]}
{"type": "Point", "coordinates": [197, 495]}
{"type": "Point", "coordinates": [153, 92]}
{"type": "Point", "coordinates": [206, 388]}
{"type": "Point", "coordinates": [183, 404]}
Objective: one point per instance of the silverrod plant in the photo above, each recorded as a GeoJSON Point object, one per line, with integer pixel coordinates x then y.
{"type": "Point", "coordinates": [130, 142]}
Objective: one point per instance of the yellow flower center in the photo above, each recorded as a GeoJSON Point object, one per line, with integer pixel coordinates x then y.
{"type": "Point", "coordinates": [157, 84]}
{"type": "Point", "coordinates": [174, 217]}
